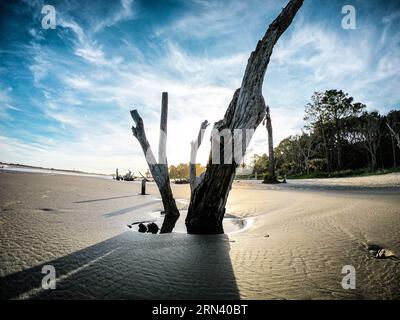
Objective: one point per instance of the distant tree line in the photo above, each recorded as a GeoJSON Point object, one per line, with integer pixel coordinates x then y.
{"type": "Point", "coordinates": [339, 136]}
{"type": "Point", "coordinates": [181, 171]}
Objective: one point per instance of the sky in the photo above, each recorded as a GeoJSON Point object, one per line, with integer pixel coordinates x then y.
{"type": "Point", "coordinates": [65, 93]}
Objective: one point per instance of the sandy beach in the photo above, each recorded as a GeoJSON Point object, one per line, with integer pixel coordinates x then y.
{"type": "Point", "coordinates": [301, 235]}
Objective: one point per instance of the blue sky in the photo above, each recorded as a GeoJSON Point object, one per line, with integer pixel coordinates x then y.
{"type": "Point", "coordinates": [65, 94]}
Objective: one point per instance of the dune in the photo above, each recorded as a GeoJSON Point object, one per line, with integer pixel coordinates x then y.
{"type": "Point", "coordinates": [301, 236]}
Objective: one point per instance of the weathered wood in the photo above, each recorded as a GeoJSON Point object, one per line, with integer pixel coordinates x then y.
{"type": "Point", "coordinates": [394, 134]}
{"type": "Point", "coordinates": [158, 171]}
{"type": "Point", "coordinates": [195, 145]}
{"type": "Point", "coordinates": [271, 159]}
{"type": "Point", "coordinates": [392, 138]}
{"type": "Point", "coordinates": [143, 191]}
{"type": "Point", "coordinates": [246, 111]}
{"type": "Point", "coordinates": [142, 175]}
{"type": "Point", "coordinates": [140, 135]}
{"type": "Point", "coordinates": [162, 144]}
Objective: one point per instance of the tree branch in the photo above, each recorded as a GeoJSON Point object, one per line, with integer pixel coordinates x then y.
{"type": "Point", "coordinates": [159, 171]}
{"type": "Point", "coordinates": [162, 145]}
{"type": "Point", "coordinates": [253, 78]}
{"type": "Point", "coordinates": [140, 134]}
{"type": "Point", "coordinates": [394, 134]}
{"type": "Point", "coordinates": [195, 145]}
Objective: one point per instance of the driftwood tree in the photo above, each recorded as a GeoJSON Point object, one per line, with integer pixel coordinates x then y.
{"type": "Point", "coordinates": [245, 111]}
{"type": "Point", "coordinates": [209, 192]}
{"type": "Point", "coordinates": [271, 177]}
{"type": "Point", "coordinates": [159, 170]}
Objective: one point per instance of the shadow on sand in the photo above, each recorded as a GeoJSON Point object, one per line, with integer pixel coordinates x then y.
{"type": "Point", "coordinates": [105, 199]}
{"type": "Point", "coordinates": [129, 209]}
{"type": "Point", "coordinates": [135, 266]}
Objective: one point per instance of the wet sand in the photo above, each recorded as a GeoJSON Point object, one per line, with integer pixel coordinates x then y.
{"type": "Point", "coordinates": [301, 236]}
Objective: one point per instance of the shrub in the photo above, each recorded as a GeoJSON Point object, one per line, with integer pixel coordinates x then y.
{"type": "Point", "coordinates": [269, 179]}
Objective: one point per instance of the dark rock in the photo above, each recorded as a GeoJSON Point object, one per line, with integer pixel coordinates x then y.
{"type": "Point", "coordinates": [152, 227]}
{"type": "Point", "coordinates": [142, 228]}
{"type": "Point", "coordinates": [129, 226]}
{"type": "Point", "coordinates": [374, 249]}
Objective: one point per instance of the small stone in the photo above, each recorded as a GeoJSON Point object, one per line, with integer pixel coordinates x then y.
{"type": "Point", "coordinates": [142, 228]}
{"type": "Point", "coordinates": [266, 235]}
{"type": "Point", "coordinates": [152, 227]}
{"type": "Point", "coordinates": [129, 226]}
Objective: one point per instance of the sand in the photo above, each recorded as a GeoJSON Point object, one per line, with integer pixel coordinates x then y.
{"type": "Point", "coordinates": [300, 237]}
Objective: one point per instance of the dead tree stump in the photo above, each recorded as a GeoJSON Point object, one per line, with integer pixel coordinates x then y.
{"type": "Point", "coordinates": [210, 191]}
{"type": "Point", "coordinates": [143, 191]}
{"type": "Point", "coordinates": [246, 111]}
{"type": "Point", "coordinates": [159, 171]}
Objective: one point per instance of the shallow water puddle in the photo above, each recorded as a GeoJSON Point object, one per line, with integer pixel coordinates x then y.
{"type": "Point", "coordinates": [231, 223]}
{"type": "Point", "coordinates": [381, 253]}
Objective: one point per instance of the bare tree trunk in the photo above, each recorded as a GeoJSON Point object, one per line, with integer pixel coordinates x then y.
{"type": "Point", "coordinates": [143, 189]}
{"type": "Point", "coordinates": [373, 160]}
{"type": "Point", "coordinates": [328, 162]}
{"type": "Point", "coordinates": [394, 152]}
{"type": "Point", "coordinates": [339, 144]}
{"type": "Point", "coordinates": [159, 171]}
{"type": "Point", "coordinates": [325, 143]}
{"type": "Point", "coordinates": [195, 145]}
{"type": "Point", "coordinates": [246, 111]}
{"type": "Point", "coordinates": [162, 143]}
{"type": "Point", "coordinates": [394, 136]}
{"type": "Point", "coordinates": [372, 138]}
{"type": "Point", "coordinates": [339, 156]}
{"type": "Point", "coordinates": [271, 158]}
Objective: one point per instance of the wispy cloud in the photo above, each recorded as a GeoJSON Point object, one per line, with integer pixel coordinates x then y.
{"type": "Point", "coordinates": [125, 12]}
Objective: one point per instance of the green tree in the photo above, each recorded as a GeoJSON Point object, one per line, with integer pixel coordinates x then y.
{"type": "Point", "coordinates": [260, 164]}
{"type": "Point", "coordinates": [181, 171]}
{"type": "Point", "coordinates": [329, 115]}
